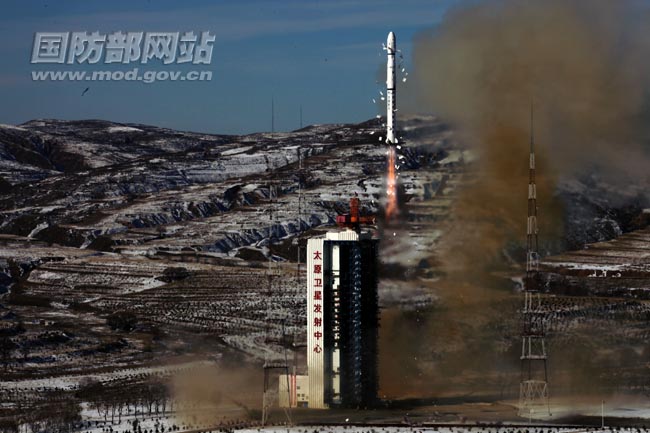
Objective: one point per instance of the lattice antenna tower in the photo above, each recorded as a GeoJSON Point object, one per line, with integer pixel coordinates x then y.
{"type": "Point", "coordinates": [272, 115]}
{"type": "Point", "coordinates": [300, 210]}
{"type": "Point", "coordinates": [275, 366]}
{"type": "Point", "coordinates": [272, 364]}
{"type": "Point", "coordinates": [533, 389]}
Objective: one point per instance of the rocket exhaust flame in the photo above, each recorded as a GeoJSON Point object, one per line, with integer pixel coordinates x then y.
{"type": "Point", "coordinates": [391, 186]}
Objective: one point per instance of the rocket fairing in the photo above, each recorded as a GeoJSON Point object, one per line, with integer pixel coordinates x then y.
{"type": "Point", "coordinates": [390, 90]}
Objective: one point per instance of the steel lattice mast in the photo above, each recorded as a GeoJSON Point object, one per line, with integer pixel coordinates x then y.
{"type": "Point", "coordinates": [272, 364]}
{"type": "Point", "coordinates": [533, 390]}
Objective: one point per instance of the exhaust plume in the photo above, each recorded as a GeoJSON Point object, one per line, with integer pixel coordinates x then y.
{"type": "Point", "coordinates": [585, 65]}
{"type": "Point", "coordinates": [391, 185]}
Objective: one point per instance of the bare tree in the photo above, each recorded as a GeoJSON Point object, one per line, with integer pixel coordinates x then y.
{"type": "Point", "coordinates": [121, 401]}
{"type": "Point", "coordinates": [112, 402]}
{"type": "Point", "coordinates": [94, 393]}
{"type": "Point", "coordinates": [58, 415]}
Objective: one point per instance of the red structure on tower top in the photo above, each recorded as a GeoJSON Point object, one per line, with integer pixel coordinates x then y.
{"type": "Point", "coordinates": [353, 220]}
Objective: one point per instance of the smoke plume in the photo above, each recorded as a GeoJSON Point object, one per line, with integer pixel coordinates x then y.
{"type": "Point", "coordinates": [584, 64]}
{"type": "Point", "coordinates": [209, 394]}
{"type": "Point", "coordinates": [585, 67]}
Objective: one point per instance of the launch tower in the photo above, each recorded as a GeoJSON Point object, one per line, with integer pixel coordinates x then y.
{"type": "Point", "coordinates": [342, 316]}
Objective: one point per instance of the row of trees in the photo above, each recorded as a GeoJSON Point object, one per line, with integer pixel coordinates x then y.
{"type": "Point", "coordinates": [59, 411]}
{"type": "Point", "coordinates": [54, 411]}
{"type": "Point", "coordinates": [115, 401]}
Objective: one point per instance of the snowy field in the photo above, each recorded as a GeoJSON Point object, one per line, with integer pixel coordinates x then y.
{"type": "Point", "coordinates": [165, 424]}
{"type": "Point", "coordinates": [71, 382]}
{"type": "Point", "coordinates": [437, 429]}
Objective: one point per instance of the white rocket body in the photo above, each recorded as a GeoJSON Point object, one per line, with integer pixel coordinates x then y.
{"type": "Point", "coordinates": [390, 90]}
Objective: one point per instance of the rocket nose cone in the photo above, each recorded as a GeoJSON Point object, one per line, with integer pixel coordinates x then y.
{"type": "Point", "coordinates": [391, 40]}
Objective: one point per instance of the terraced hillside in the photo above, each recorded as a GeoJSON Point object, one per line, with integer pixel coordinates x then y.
{"type": "Point", "coordinates": [616, 268]}
{"type": "Point", "coordinates": [128, 249]}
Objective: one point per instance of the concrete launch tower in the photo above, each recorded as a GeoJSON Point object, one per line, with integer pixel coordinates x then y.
{"type": "Point", "coordinates": [342, 319]}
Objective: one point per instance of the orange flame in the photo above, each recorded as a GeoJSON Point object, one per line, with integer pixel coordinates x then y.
{"type": "Point", "coordinates": [391, 186]}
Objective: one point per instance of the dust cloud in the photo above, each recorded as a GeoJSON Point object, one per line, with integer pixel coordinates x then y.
{"type": "Point", "coordinates": [584, 65]}
{"type": "Point", "coordinates": [210, 394]}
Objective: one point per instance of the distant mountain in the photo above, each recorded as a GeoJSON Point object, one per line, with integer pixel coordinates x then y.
{"type": "Point", "coordinates": [98, 178]}
{"type": "Point", "coordinates": [39, 147]}
{"type": "Point", "coordinates": [70, 182]}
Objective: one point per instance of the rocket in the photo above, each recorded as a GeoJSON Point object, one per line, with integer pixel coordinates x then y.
{"type": "Point", "coordinates": [392, 208]}
{"type": "Point", "coordinates": [390, 90]}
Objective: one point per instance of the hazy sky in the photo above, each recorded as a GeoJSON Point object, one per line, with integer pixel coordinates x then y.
{"type": "Point", "coordinates": [325, 55]}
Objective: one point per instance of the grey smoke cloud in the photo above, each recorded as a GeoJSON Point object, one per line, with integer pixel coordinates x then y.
{"type": "Point", "coordinates": [586, 66]}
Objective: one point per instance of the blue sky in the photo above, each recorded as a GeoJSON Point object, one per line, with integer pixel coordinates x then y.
{"type": "Point", "coordinates": [323, 55]}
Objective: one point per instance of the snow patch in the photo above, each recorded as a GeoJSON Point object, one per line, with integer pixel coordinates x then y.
{"type": "Point", "coordinates": [123, 129]}
{"type": "Point", "coordinates": [587, 266]}
{"type": "Point", "coordinates": [4, 125]}
{"type": "Point", "coordinates": [236, 151]}
{"type": "Point", "coordinates": [37, 229]}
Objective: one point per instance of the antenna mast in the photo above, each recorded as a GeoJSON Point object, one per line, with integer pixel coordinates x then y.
{"type": "Point", "coordinates": [533, 389]}
{"type": "Point", "coordinates": [274, 366]}
{"type": "Point", "coordinates": [272, 115]}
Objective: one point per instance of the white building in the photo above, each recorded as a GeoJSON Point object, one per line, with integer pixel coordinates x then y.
{"type": "Point", "coordinates": [342, 319]}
